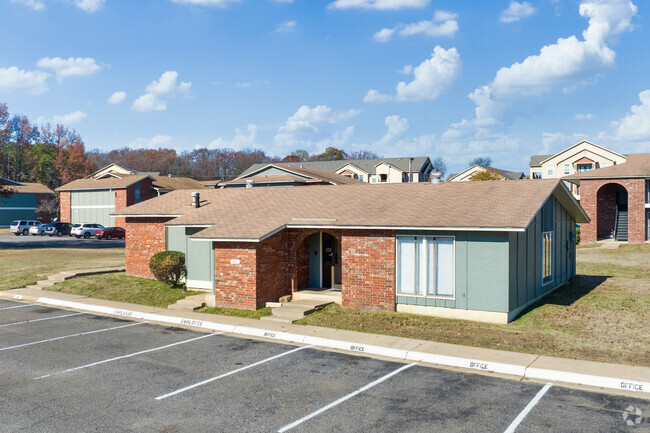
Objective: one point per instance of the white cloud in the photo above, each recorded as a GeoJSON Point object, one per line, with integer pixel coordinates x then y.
{"type": "Point", "coordinates": [313, 128]}
{"type": "Point", "coordinates": [13, 79]}
{"type": "Point", "coordinates": [218, 3]}
{"type": "Point", "coordinates": [585, 116]}
{"type": "Point", "coordinates": [164, 86]}
{"type": "Point", "coordinates": [443, 24]}
{"type": "Point", "coordinates": [406, 70]}
{"type": "Point", "coordinates": [149, 102]}
{"type": "Point", "coordinates": [69, 67]}
{"type": "Point", "coordinates": [431, 77]}
{"type": "Point", "coordinates": [635, 126]}
{"type": "Point", "coordinates": [283, 1]}
{"type": "Point", "coordinates": [287, 26]}
{"type": "Point", "coordinates": [553, 142]}
{"type": "Point", "coordinates": [245, 84]}
{"type": "Point", "coordinates": [378, 4]}
{"type": "Point", "coordinates": [569, 61]}
{"type": "Point", "coordinates": [240, 141]}
{"type": "Point", "coordinates": [117, 98]}
{"type": "Point", "coordinates": [69, 119]}
{"type": "Point", "coordinates": [516, 11]}
{"type": "Point", "coordinates": [89, 5]}
{"type": "Point", "coordinates": [397, 126]}
{"type": "Point", "coordinates": [376, 97]}
{"type": "Point", "coordinates": [36, 5]}
{"type": "Point", "coordinates": [157, 142]}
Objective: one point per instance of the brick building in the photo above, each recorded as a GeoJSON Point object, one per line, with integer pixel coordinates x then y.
{"type": "Point", "coordinates": [617, 200]}
{"type": "Point", "coordinates": [473, 250]}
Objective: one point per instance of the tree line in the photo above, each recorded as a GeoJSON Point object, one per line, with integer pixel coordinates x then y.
{"type": "Point", "coordinates": [56, 155]}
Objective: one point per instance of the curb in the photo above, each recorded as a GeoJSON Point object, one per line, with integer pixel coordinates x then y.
{"type": "Point", "coordinates": [521, 371]}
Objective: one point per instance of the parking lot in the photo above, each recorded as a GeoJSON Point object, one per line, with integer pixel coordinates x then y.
{"type": "Point", "coordinates": [13, 241]}
{"type": "Point", "coordinates": [62, 370]}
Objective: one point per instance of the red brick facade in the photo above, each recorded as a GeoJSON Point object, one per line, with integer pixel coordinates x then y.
{"type": "Point", "coordinates": [598, 199]}
{"type": "Point", "coordinates": [65, 211]}
{"type": "Point", "coordinates": [247, 275]}
{"type": "Point", "coordinates": [144, 238]}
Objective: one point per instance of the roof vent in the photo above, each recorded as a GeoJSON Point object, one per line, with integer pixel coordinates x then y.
{"type": "Point", "coordinates": [249, 183]}
{"type": "Point", "coordinates": [301, 165]}
{"type": "Point", "coordinates": [196, 201]}
{"type": "Point", "coordinates": [435, 178]}
{"type": "Point", "coordinates": [169, 175]}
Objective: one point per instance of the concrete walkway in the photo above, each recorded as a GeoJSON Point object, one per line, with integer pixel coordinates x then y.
{"type": "Point", "coordinates": [624, 379]}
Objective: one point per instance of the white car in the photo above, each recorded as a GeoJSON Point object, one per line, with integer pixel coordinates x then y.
{"type": "Point", "coordinates": [86, 230]}
{"type": "Point", "coordinates": [38, 230]}
{"type": "Point", "coordinates": [21, 227]}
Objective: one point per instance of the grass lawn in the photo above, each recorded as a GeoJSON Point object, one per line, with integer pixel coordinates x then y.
{"type": "Point", "coordinates": [602, 315]}
{"type": "Point", "coordinates": [248, 314]}
{"type": "Point", "coordinates": [122, 288]}
{"type": "Point", "coordinates": [21, 267]}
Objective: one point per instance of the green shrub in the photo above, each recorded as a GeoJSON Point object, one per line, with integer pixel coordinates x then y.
{"type": "Point", "coordinates": [577, 235]}
{"type": "Point", "coordinates": [168, 266]}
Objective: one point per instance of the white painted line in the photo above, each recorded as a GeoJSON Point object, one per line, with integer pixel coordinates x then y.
{"type": "Point", "coordinates": [486, 366]}
{"type": "Point", "coordinates": [69, 336]}
{"type": "Point", "coordinates": [18, 306]}
{"type": "Point", "coordinates": [212, 379]}
{"type": "Point", "coordinates": [117, 358]}
{"type": "Point", "coordinates": [347, 397]}
{"type": "Point", "coordinates": [528, 408]}
{"type": "Point", "coordinates": [40, 320]}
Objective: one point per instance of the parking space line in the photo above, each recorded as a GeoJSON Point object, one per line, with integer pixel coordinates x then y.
{"type": "Point", "coordinates": [212, 379]}
{"type": "Point", "coordinates": [528, 408]}
{"type": "Point", "coordinates": [69, 336]}
{"type": "Point", "coordinates": [40, 320]}
{"type": "Point", "coordinates": [117, 358]}
{"type": "Point", "coordinates": [18, 306]}
{"type": "Point", "coordinates": [347, 397]}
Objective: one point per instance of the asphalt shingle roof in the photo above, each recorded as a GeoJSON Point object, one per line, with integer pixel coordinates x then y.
{"type": "Point", "coordinates": [637, 165]}
{"type": "Point", "coordinates": [367, 165]}
{"type": "Point", "coordinates": [314, 175]}
{"type": "Point", "coordinates": [106, 182]}
{"type": "Point", "coordinates": [252, 214]}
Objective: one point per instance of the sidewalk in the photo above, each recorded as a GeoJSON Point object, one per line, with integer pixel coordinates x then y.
{"type": "Point", "coordinates": [627, 380]}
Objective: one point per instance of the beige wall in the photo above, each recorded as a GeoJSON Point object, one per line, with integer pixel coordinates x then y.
{"type": "Point", "coordinates": [557, 166]}
{"type": "Point", "coordinates": [467, 174]}
{"type": "Point", "coordinates": [393, 175]}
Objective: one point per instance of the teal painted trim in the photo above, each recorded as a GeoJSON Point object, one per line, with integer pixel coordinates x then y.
{"type": "Point", "coordinates": [175, 239]}
{"type": "Point", "coordinates": [197, 257]}
{"type": "Point", "coordinates": [315, 260]}
{"type": "Point", "coordinates": [18, 200]}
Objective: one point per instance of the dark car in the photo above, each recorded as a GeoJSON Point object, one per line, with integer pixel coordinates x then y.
{"type": "Point", "coordinates": [110, 233]}
{"type": "Point", "coordinates": [58, 229]}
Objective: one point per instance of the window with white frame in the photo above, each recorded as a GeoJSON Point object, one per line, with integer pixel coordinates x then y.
{"type": "Point", "coordinates": [550, 170]}
{"type": "Point", "coordinates": [425, 266]}
{"type": "Point", "coordinates": [547, 257]}
{"type": "Point", "coordinates": [566, 168]}
{"type": "Point", "coordinates": [361, 177]}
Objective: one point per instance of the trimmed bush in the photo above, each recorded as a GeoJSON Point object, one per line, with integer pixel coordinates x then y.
{"type": "Point", "coordinates": [168, 266]}
{"type": "Point", "coordinates": [577, 235]}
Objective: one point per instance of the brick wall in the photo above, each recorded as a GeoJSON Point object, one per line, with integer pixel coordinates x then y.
{"type": "Point", "coordinates": [65, 211]}
{"type": "Point", "coordinates": [267, 270]}
{"type": "Point", "coordinates": [144, 238]}
{"type": "Point", "coordinates": [235, 275]}
{"type": "Point", "coordinates": [369, 270]}
{"type": "Point", "coordinates": [123, 198]}
{"type": "Point", "coordinates": [598, 201]}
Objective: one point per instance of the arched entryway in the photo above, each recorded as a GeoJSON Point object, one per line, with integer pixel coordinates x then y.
{"type": "Point", "coordinates": [611, 211]}
{"type": "Point", "coordinates": [318, 263]}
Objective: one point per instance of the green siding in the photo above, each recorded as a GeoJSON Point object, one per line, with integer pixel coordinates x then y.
{"type": "Point", "coordinates": [526, 254]}
{"type": "Point", "coordinates": [93, 206]}
{"type": "Point", "coordinates": [199, 257]}
{"type": "Point", "coordinates": [481, 272]}
{"type": "Point", "coordinates": [16, 200]}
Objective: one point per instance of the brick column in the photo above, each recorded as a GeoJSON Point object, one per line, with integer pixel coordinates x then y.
{"type": "Point", "coordinates": [369, 270]}
{"type": "Point", "coordinates": [235, 275]}
{"type": "Point", "coordinates": [144, 238]}
{"type": "Point", "coordinates": [65, 212]}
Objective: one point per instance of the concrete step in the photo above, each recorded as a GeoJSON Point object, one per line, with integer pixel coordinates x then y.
{"type": "Point", "coordinates": [316, 296]}
{"type": "Point", "coordinates": [190, 303]}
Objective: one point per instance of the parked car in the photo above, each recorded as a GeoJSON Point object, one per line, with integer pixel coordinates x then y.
{"type": "Point", "coordinates": [110, 233]}
{"type": "Point", "coordinates": [58, 229]}
{"type": "Point", "coordinates": [21, 227]}
{"type": "Point", "coordinates": [38, 230]}
{"type": "Point", "coordinates": [86, 230]}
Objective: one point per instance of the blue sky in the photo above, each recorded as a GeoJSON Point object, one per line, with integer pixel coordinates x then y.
{"type": "Point", "coordinates": [456, 79]}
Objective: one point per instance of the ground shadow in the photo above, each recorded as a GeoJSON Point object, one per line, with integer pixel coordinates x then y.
{"type": "Point", "coordinates": [572, 291]}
